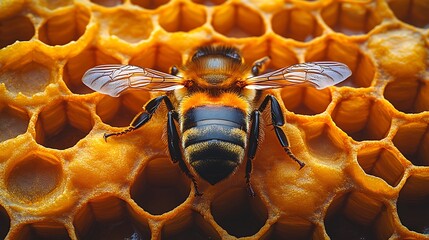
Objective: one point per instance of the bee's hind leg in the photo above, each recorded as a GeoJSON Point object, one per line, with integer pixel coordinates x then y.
{"type": "Point", "coordinates": [253, 146]}
{"type": "Point", "coordinates": [139, 120]}
{"type": "Point", "coordinates": [278, 121]}
{"type": "Point", "coordinates": [174, 149]}
{"type": "Point", "coordinates": [144, 116]}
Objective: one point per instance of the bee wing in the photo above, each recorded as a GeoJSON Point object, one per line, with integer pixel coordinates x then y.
{"type": "Point", "coordinates": [318, 74]}
{"type": "Point", "coordinates": [114, 79]}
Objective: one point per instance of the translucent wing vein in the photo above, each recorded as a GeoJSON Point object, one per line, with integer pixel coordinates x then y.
{"type": "Point", "coordinates": [318, 74]}
{"type": "Point", "coordinates": [115, 79]}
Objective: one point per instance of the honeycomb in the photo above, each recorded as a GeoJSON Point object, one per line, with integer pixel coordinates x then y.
{"type": "Point", "coordinates": [365, 142]}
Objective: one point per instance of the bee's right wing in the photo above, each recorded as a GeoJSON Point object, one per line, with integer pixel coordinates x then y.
{"type": "Point", "coordinates": [113, 79]}
{"type": "Point", "coordinates": [317, 74]}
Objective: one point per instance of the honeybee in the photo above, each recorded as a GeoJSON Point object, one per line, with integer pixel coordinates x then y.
{"type": "Point", "coordinates": [217, 100]}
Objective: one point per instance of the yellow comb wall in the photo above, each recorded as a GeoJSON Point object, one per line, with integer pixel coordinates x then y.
{"type": "Point", "coordinates": [365, 142]}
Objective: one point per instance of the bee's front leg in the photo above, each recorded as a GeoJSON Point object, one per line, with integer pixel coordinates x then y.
{"type": "Point", "coordinates": [144, 116]}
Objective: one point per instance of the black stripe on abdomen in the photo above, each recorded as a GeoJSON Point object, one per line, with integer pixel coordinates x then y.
{"type": "Point", "coordinates": [215, 115]}
{"type": "Point", "coordinates": [214, 139]}
{"type": "Point", "coordinates": [221, 123]}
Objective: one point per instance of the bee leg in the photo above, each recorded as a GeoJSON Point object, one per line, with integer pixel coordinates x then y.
{"type": "Point", "coordinates": [253, 146]}
{"type": "Point", "coordinates": [259, 65]}
{"type": "Point", "coordinates": [174, 148]}
{"type": "Point", "coordinates": [278, 121]}
{"type": "Point", "coordinates": [139, 120]}
{"type": "Point", "coordinates": [144, 116]}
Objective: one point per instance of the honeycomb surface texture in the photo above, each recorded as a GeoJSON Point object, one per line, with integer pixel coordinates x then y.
{"type": "Point", "coordinates": [365, 142]}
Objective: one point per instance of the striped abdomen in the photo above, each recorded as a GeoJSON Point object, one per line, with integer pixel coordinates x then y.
{"type": "Point", "coordinates": [214, 139]}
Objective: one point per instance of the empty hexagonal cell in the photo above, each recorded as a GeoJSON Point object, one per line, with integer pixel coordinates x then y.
{"type": "Point", "coordinates": [159, 57]}
{"type": "Point", "coordinates": [238, 213]}
{"type": "Point", "coordinates": [323, 140]}
{"type": "Point", "coordinates": [292, 227]}
{"type": "Point", "coordinates": [382, 163]}
{"type": "Point", "coordinates": [119, 112]}
{"type": "Point", "coordinates": [356, 215]}
{"type": "Point", "coordinates": [182, 17]}
{"type": "Point", "coordinates": [188, 225]}
{"type": "Point", "coordinates": [351, 18]}
{"type": "Point", "coordinates": [61, 124]}
{"type": "Point", "coordinates": [412, 140]}
{"type": "Point", "coordinates": [17, 28]}
{"type": "Point", "coordinates": [414, 12]}
{"type": "Point", "coordinates": [13, 122]}
{"type": "Point", "coordinates": [297, 24]}
{"type": "Point", "coordinates": [129, 26]}
{"type": "Point", "coordinates": [26, 77]}
{"type": "Point", "coordinates": [34, 177]}
{"type": "Point", "coordinates": [280, 55]}
{"type": "Point", "coordinates": [209, 2]}
{"type": "Point", "coordinates": [408, 95]}
{"type": "Point", "coordinates": [150, 4]}
{"type": "Point", "coordinates": [64, 27]}
{"type": "Point", "coordinates": [108, 217]}
{"type": "Point", "coordinates": [43, 230]}
{"type": "Point", "coordinates": [55, 4]}
{"type": "Point", "coordinates": [79, 64]}
{"type": "Point", "coordinates": [160, 186]}
{"type": "Point", "coordinates": [306, 100]}
{"type": "Point", "coordinates": [4, 222]}
{"type": "Point", "coordinates": [108, 3]}
{"type": "Point", "coordinates": [412, 204]}
{"type": "Point", "coordinates": [238, 21]}
{"type": "Point", "coordinates": [362, 118]}
{"type": "Point", "coordinates": [332, 50]}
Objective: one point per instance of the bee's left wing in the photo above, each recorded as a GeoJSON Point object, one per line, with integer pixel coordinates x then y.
{"type": "Point", "coordinates": [113, 79]}
{"type": "Point", "coordinates": [318, 74]}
